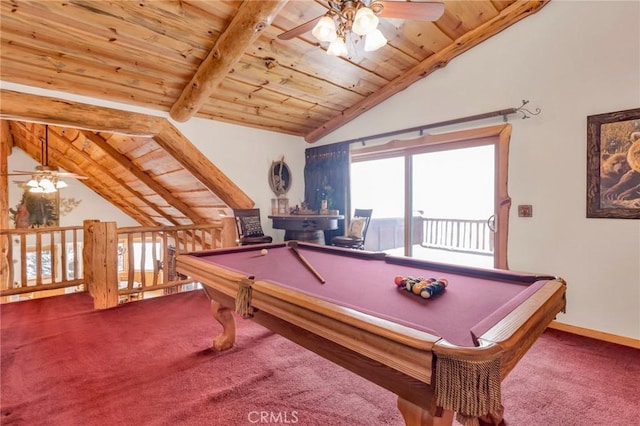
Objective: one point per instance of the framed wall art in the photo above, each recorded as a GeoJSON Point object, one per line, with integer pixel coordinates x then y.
{"type": "Point", "coordinates": [613, 165]}
{"type": "Point", "coordinates": [37, 210]}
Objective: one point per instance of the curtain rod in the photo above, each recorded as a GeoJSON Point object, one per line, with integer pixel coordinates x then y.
{"type": "Point", "coordinates": [504, 112]}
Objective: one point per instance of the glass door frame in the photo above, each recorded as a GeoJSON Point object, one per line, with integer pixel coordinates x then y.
{"type": "Point", "coordinates": [499, 136]}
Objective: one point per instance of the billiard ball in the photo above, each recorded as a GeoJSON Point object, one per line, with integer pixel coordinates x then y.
{"type": "Point", "coordinates": [264, 252]}
{"type": "Point", "coordinates": [417, 287]}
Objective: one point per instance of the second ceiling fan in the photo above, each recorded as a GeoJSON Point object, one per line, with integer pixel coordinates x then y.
{"type": "Point", "coordinates": [45, 179]}
{"type": "Point", "coordinates": [360, 17]}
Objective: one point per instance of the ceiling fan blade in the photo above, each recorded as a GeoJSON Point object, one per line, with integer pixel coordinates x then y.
{"type": "Point", "coordinates": [71, 175]}
{"type": "Point", "coordinates": [419, 11]}
{"type": "Point", "coordinates": [299, 30]}
{"type": "Point", "coordinates": [52, 173]}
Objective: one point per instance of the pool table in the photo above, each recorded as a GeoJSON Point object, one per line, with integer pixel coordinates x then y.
{"type": "Point", "coordinates": [442, 355]}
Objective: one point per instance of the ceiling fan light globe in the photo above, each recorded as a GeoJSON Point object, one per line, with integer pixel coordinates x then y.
{"type": "Point", "coordinates": [325, 30]}
{"type": "Point", "coordinates": [374, 41]}
{"type": "Point", "coordinates": [36, 190]}
{"type": "Point", "coordinates": [32, 183]}
{"type": "Point", "coordinates": [61, 184]}
{"type": "Point", "coordinates": [338, 48]}
{"type": "Point", "coordinates": [365, 21]}
{"type": "Point", "coordinates": [47, 185]}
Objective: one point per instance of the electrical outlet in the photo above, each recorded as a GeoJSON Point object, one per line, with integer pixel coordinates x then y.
{"type": "Point", "coordinates": [525, 210]}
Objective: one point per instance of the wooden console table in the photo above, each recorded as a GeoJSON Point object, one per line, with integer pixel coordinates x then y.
{"type": "Point", "coordinates": [308, 227]}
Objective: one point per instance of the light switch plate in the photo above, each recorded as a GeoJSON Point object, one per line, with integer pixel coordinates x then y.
{"type": "Point", "coordinates": [525, 210]}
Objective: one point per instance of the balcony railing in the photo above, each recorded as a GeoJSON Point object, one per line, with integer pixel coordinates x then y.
{"type": "Point", "coordinates": [459, 235]}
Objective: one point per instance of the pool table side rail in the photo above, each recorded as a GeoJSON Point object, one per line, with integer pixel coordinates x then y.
{"type": "Point", "coordinates": [226, 280]}
{"type": "Point", "coordinates": [487, 273]}
{"type": "Point", "coordinates": [402, 348]}
{"type": "Point", "coordinates": [519, 330]}
{"type": "Point", "coordinates": [235, 249]}
{"type": "Point", "coordinates": [341, 251]}
{"type": "Point", "coordinates": [522, 325]}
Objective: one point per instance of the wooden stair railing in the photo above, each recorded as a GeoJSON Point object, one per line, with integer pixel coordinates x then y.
{"type": "Point", "coordinates": [112, 263]}
{"type": "Point", "coordinates": [40, 259]}
{"type": "Point", "coordinates": [142, 259]}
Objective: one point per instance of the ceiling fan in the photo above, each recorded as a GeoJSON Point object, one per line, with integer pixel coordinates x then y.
{"type": "Point", "coordinates": [360, 17]}
{"type": "Point", "coordinates": [46, 179]}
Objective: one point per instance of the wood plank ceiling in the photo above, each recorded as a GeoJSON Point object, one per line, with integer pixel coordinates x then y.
{"type": "Point", "coordinates": [205, 58]}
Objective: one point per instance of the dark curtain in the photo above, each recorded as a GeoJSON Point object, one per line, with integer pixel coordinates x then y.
{"type": "Point", "coordinates": [326, 175]}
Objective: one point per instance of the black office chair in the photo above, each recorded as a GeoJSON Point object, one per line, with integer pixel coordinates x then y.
{"type": "Point", "coordinates": [249, 227]}
{"type": "Point", "coordinates": [357, 232]}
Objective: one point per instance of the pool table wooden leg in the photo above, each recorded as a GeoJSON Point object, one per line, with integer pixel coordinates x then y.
{"type": "Point", "coordinates": [493, 419]}
{"type": "Point", "coordinates": [227, 338]}
{"type": "Point", "coordinates": [418, 416]}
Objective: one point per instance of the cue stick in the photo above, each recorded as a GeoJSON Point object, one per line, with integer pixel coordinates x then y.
{"type": "Point", "coordinates": [294, 248]}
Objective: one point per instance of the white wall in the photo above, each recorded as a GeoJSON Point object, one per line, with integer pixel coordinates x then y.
{"type": "Point", "coordinates": [245, 155]}
{"type": "Point", "coordinates": [571, 59]}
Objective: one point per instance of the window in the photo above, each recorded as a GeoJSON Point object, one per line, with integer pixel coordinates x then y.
{"type": "Point", "coordinates": [32, 264]}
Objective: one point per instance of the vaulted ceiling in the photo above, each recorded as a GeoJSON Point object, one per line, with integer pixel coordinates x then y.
{"type": "Point", "coordinates": [148, 169]}
{"type": "Point", "coordinates": [220, 60]}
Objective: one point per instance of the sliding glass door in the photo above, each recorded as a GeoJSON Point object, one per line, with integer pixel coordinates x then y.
{"type": "Point", "coordinates": [452, 194]}
{"type": "Point", "coordinates": [440, 198]}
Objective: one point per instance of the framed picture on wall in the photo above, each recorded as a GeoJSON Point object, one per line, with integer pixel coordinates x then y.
{"type": "Point", "coordinates": [37, 210]}
{"type": "Point", "coordinates": [613, 165]}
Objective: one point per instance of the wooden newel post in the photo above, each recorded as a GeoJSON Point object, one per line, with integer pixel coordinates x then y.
{"type": "Point", "coordinates": [101, 262]}
{"type": "Point", "coordinates": [229, 232]}
{"type": "Point", "coordinates": [86, 255]}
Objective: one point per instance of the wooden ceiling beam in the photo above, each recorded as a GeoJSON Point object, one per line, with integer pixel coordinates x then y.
{"type": "Point", "coordinates": [507, 17]}
{"type": "Point", "coordinates": [91, 136]}
{"type": "Point", "coordinates": [21, 106]}
{"type": "Point", "coordinates": [245, 27]}
{"type": "Point", "coordinates": [124, 161]}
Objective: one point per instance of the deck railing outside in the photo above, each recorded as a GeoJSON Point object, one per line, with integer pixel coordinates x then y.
{"type": "Point", "coordinates": [459, 235]}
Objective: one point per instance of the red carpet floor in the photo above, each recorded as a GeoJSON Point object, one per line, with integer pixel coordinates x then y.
{"type": "Point", "coordinates": [149, 363]}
